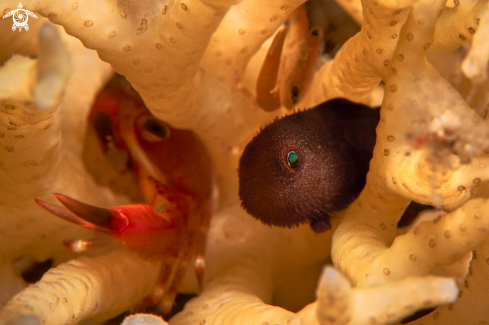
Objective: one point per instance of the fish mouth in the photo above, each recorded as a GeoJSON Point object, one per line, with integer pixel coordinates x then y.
{"type": "Point", "coordinates": [263, 201]}
{"type": "Point", "coordinates": [274, 207]}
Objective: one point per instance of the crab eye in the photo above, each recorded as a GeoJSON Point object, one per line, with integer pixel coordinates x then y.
{"type": "Point", "coordinates": [292, 159]}
{"type": "Point", "coordinates": [153, 130]}
{"type": "Point", "coordinates": [294, 94]}
{"type": "Point", "coordinates": [103, 127]}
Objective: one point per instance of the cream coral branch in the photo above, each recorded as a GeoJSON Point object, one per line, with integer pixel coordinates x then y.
{"type": "Point", "coordinates": [364, 60]}
{"type": "Point", "coordinates": [442, 241]}
{"type": "Point", "coordinates": [399, 174]}
{"type": "Point", "coordinates": [31, 124]}
{"type": "Point", "coordinates": [470, 306]}
{"type": "Point", "coordinates": [157, 47]}
{"type": "Point", "coordinates": [35, 160]}
{"type": "Point", "coordinates": [242, 31]}
{"type": "Point", "coordinates": [457, 25]}
{"type": "Point", "coordinates": [53, 69]}
{"type": "Point", "coordinates": [183, 64]}
{"type": "Point", "coordinates": [337, 303]}
{"type": "Point", "coordinates": [475, 64]}
{"type": "Point", "coordinates": [83, 288]}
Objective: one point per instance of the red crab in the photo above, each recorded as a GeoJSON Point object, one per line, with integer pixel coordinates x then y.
{"type": "Point", "coordinates": [175, 178]}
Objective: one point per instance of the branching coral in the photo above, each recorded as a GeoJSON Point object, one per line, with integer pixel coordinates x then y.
{"type": "Point", "coordinates": [167, 53]}
{"type": "Point", "coordinates": [364, 60]}
{"type": "Point", "coordinates": [82, 288]}
{"type": "Point", "coordinates": [337, 303]}
{"type": "Point", "coordinates": [475, 64]}
{"type": "Point", "coordinates": [181, 56]}
{"type": "Point", "coordinates": [397, 175]}
{"type": "Point", "coordinates": [34, 160]}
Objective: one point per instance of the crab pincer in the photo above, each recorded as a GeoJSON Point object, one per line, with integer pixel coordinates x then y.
{"type": "Point", "coordinates": [125, 224]}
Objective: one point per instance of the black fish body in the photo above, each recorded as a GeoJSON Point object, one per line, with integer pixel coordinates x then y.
{"type": "Point", "coordinates": [303, 166]}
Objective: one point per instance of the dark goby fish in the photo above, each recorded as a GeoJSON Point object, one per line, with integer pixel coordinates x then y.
{"type": "Point", "coordinates": [303, 166]}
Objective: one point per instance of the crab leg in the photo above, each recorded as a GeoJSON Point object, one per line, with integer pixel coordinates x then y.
{"type": "Point", "coordinates": [295, 41]}
{"type": "Point", "coordinates": [82, 245]}
{"type": "Point", "coordinates": [299, 24]}
{"type": "Point", "coordinates": [176, 277]}
{"type": "Point", "coordinates": [192, 243]}
{"type": "Point", "coordinates": [165, 279]}
{"type": "Point", "coordinates": [243, 88]}
{"type": "Point", "coordinates": [267, 94]}
{"type": "Point", "coordinates": [301, 76]}
{"type": "Point", "coordinates": [201, 245]}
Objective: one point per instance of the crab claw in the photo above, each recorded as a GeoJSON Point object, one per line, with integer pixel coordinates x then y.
{"type": "Point", "coordinates": [85, 215]}
{"type": "Point", "coordinates": [67, 215]}
{"type": "Point", "coordinates": [137, 226]}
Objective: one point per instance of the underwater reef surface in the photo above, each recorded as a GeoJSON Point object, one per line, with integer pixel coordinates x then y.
{"type": "Point", "coordinates": [224, 69]}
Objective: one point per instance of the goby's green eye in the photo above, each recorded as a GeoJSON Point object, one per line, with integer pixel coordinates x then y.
{"type": "Point", "coordinates": [292, 159]}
